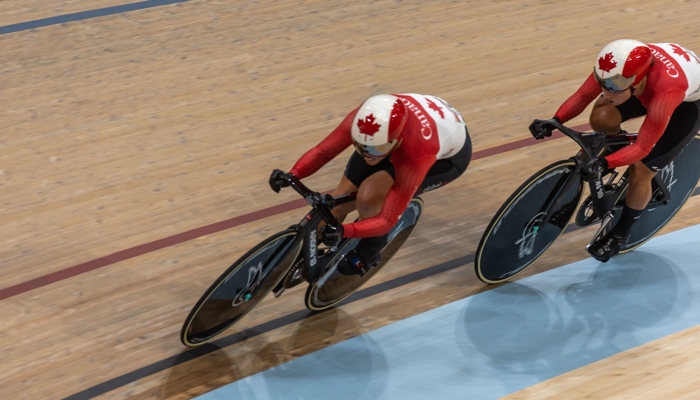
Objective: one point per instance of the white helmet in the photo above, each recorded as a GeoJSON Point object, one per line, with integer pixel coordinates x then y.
{"type": "Point", "coordinates": [622, 64]}
{"type": "Point", "coordinates": [379, 125]}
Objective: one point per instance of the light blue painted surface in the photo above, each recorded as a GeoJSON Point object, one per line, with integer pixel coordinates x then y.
{"type": "Point", "coordinates": [506, 339]}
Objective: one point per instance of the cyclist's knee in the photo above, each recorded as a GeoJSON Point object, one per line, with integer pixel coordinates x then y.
{"type": "Point", "coordinates": [640, 173]}
{"type": "Point", "coordinates": [605, 118]}
{"type": "Point", "coordinates": [368, 205]}
{"type": "Point", "coordinates": [371, 194]}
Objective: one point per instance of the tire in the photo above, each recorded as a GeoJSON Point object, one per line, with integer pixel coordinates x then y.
{"type": "Point", "coordinates": [241, 287]}
{"type": "Point", "coordinates": [516, 237]}
{"type": "Point", "coordinates": [681, 177]}
{"type": "Point", "coordinates": [339, 286]}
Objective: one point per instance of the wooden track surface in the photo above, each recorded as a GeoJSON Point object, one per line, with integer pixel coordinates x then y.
{"type": "Point", "coordinates": [125, 129]}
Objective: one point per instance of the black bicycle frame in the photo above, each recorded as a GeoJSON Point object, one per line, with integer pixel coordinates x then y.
{"type": "Point", "coordinates": [321, 212]}
{"type": "Point", "coordinates": [552, 202]}
{"type": "Point", "coordinates": [592, 145]}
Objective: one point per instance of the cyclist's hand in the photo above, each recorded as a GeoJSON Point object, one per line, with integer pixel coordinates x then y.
{"type": "Point", "coordinates": [279, 179]}
{"type": "Point", "coordinates": [331, 235]}
{"type": "Point", "coordinates": [541, 129]}
{"type": "Point", "coordinates": [594, 168]}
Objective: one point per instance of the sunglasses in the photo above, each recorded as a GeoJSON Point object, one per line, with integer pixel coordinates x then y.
{"type": "Point", "coordinates": [373, 152]}
{"type": "Point", "coordinates": [615, 84]}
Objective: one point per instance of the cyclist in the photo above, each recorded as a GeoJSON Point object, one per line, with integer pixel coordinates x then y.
{"type": "Point", "coordinates": [405, 144]}
{"type": "Point", "coordinates": [658, 80]}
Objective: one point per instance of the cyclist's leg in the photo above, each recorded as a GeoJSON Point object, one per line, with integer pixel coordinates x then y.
{"type": "Point", "coordinates": [345, 186]}
{"type": "Point", "coordinates": [639, 190]}
{"type": "Point", "coordinates": [356, 179]}
{"type": "Point", "coordinates": [681, 129]}
{"type": "Point", "coordinates": [607, 117]}
{"type": "Point", "coordinates": [372, 180]}
{"type": "Point", "coordinates": [637, 197]}
{"type": "Point", "coordinates": [370, 198]}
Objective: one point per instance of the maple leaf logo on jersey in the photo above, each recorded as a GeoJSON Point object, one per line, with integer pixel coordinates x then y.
{"type": "Point", "coordinates": [435, 108]}
{"type": "Point", "coordinates": [607, 63]}
{"type": "Point", "coordinates": [679, 50]}
{"type": "Point", "coordinates": [367, 125]}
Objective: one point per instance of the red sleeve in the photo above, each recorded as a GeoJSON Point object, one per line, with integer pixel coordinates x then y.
{"type": "Point", "coordinates": [326, 150]}
{"type": "Point", "coordinates": [578, 102]}
{"type": "Point", "coordinates": [408, 179]}
{"type": "Point", "coordinates": [659, 113]}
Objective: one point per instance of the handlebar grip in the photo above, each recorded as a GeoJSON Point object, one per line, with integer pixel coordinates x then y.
{"type": "Point", "coordinates": [540, 128]}
{"type": "Point", "coordinates": [323, 203]}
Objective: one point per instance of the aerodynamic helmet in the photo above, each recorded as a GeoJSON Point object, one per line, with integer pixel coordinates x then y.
{"type": "Point", "coordinates": [378, 126]}
{"type": "Point", "coordinates": [622, 64]}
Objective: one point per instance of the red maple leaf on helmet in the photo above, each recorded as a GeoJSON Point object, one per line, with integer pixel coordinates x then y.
{"type": "Point", "coordinates": [679, 50]}
{"type": "Point", "coordinates": [436, 108]}
{"type": "Point", "coordinates": [367, 125]}
{"type": "Point", "coordinates": [606, 63]}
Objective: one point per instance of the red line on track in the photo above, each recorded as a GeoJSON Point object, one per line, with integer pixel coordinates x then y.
{"type": "Point", "coordinates": [147, 248]}
{"type": "Point", "coordinates": [209, 229]}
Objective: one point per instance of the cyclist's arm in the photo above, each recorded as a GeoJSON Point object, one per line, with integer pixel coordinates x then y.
{"type": "Point", "coordinates": [408, 180]}
{"type": "Point", "coordinates": [658, 114]}
{"type": "Point", "coordinates": [578, 102]}
{"type": "Point", "coordinates": [326, 150]}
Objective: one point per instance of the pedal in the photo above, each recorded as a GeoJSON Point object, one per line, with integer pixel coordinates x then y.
{"type": "Point", "coordinates": [602, 230]}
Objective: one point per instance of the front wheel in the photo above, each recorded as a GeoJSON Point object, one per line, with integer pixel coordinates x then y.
{"type": "Point", "coordinates": [528, 222]}
{"type": "Point", "coordinates": [323, 295]}
{"type": "Point", "coordinates": [241, 287]}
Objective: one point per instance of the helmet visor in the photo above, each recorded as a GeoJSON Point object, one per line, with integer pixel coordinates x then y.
{"type": "Point", "coordinates": [373, 152]}
{"type": "Point", "coordinates": [616, 83]}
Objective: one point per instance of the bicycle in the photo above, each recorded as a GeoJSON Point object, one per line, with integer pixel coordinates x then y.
{"type": "Point", "coordinates": [537, 212]}
{"type": "Point", "coordinates": [286, 259]}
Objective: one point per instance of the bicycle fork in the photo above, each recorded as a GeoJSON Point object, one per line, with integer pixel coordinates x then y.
{"type": "Point", "coordinates": [553, 205]}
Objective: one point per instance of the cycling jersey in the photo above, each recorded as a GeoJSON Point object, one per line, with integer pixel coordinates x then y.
{"type": "Point", "coordinates": [434, 130]}
{"type": "Point", "coordinates": [673, 78]}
